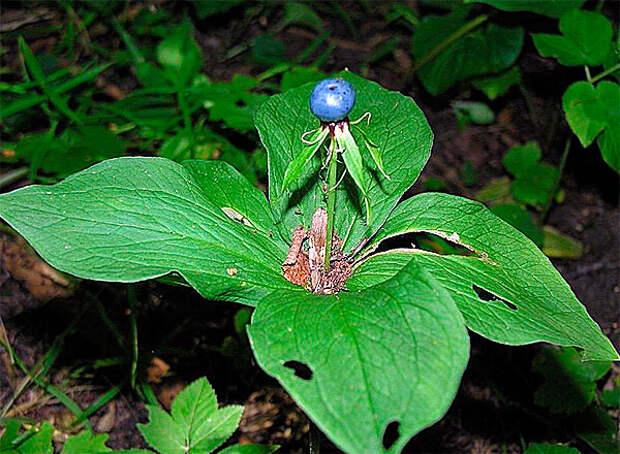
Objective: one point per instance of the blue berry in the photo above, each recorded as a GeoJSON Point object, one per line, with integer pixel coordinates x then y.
{"type": "Point", "coordinates": [332, 99]}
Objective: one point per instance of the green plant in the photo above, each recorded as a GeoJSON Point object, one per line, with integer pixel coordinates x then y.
{"type": "Point", "coordinates": [194, 426]}
{"type": "Point", "coordinates": [453, 48]}
{"type": "Point", "coordinates": [389, 351]}
{"type": "Point", "coordinates": [534, 184]}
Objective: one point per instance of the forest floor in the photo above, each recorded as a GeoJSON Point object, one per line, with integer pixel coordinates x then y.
{"type": "Point", "coordinates": [493, 411]}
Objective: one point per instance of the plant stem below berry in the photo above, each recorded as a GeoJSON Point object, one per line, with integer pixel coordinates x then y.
{"type": "Point", "coordinates": [331, 201]}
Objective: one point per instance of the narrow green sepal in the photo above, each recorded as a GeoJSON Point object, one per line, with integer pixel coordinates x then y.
{"type": "Point", "coordinates": [375, 152]}
{"type": "Point", "coordinates": [354, 164]}
{"type": "Point", "coordinates": [297, 165]}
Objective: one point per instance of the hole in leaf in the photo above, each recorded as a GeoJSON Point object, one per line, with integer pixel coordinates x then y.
{"type": "Point", "coordinates": [391, 434]}
{"type": "Point", "coordinates": [301, 370]}
{"type": "Point", "coordinates": [425, 241]}
{"type": "Point", "coordinates": [241, 103]}
{"type": "Point", "coordinates": [487, 296]}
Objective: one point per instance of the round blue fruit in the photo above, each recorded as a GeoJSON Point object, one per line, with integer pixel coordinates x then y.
{"type": "Point", "coordinates": [332, 99]}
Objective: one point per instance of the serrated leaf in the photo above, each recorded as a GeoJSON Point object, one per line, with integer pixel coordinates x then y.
{"type": "Point", "coordinates": [551, 8]}
{"type": "Point", "coordinates": [591, 110]}
{"type": "Point", "coordinates": [132, 219]}
{"type": "Point", "coordinates": [543, 448]}
{"type": "Point", "coordinates": [86, 442]}
{"type": "Point", "coordinates": [498, 85]}
{"type": "Point", "coordinates": [390, 353]}
{"type": "Point", "coordinates": [530, 301]}
{"type": "Point", "coordinates": [585, 39]}
{"type": "Point", "coordinates": [570, 384]}
{"type": "Point", "coordinates": [195, 425]}
{"type": "Point", "coordinates": [485, 50]}
{"type": "Point", "coordinates": [398, 127]}
{"type": "Point", "coordinates": [163, 433]}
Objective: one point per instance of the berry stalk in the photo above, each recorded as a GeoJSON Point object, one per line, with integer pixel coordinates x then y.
{"type": "Point", "coordinates": [331, 200]}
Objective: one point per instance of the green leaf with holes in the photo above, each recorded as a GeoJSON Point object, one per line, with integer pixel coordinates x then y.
{"type": "Point", "coordinates": [594, 112]}
{"type": "Point", "coordinates": [507, 290]}
{"type": "Point", "coordinates": [397, 127]}
{"type": "Point", "coordinates": [358, 361]}
{"type": "Point", "coordinates": [585, 39]}
{"type": "Point", "coordinates": [132, 219]}
{"type": "Point", "coordinates": [444, 60]}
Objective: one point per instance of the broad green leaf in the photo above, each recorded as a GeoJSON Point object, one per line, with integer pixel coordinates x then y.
{"type": "Point", "coordinates": [529, 301]}
{"type": "Point", "coordinates": [551, 8]}
{"type": "Point", "coordinates": [390, 353]}
{"type": "Point", "coordinates": [195, 425]}
{"type": "Point", "coordinates": [397, 126]}
{"type": "Point", "coordinates": [132, 219]}
{"type": "Point", "coordinates": [180, 55]}
{"type": "Point", "coordinates": [570, 384]}
{"type": "Point", "coordinates": [246, 200]}
{"type": "Point", "coordinates": [498, 85]}
{"type": "Point", "coordinates": [86, 442]}
{"type": "Point", "coordinates": [558, 245]}
{"type": "Point", "coordinates": [39, 443]}
{"type": "Point", "coordinates": [543, 448]}
{"type": "Point", "coordinates": [249, 449]}
{"type": "Point", "coordinates": [585, 39]}
{"type": "Point", "coordinates": [485, 50]}
{"type": "Point", "coordinates": [591, 110]}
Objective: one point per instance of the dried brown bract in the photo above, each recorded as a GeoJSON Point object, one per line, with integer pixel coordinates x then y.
{"type": "Point", "coordinates": [304, 264]}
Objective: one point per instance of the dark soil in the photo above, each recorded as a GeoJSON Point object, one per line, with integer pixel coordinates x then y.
{"type": "Point", "coordinates": [494, 410]}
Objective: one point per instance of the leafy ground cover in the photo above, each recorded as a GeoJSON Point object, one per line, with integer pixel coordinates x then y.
{"type": "Point", "coordinates": [191, 93]}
